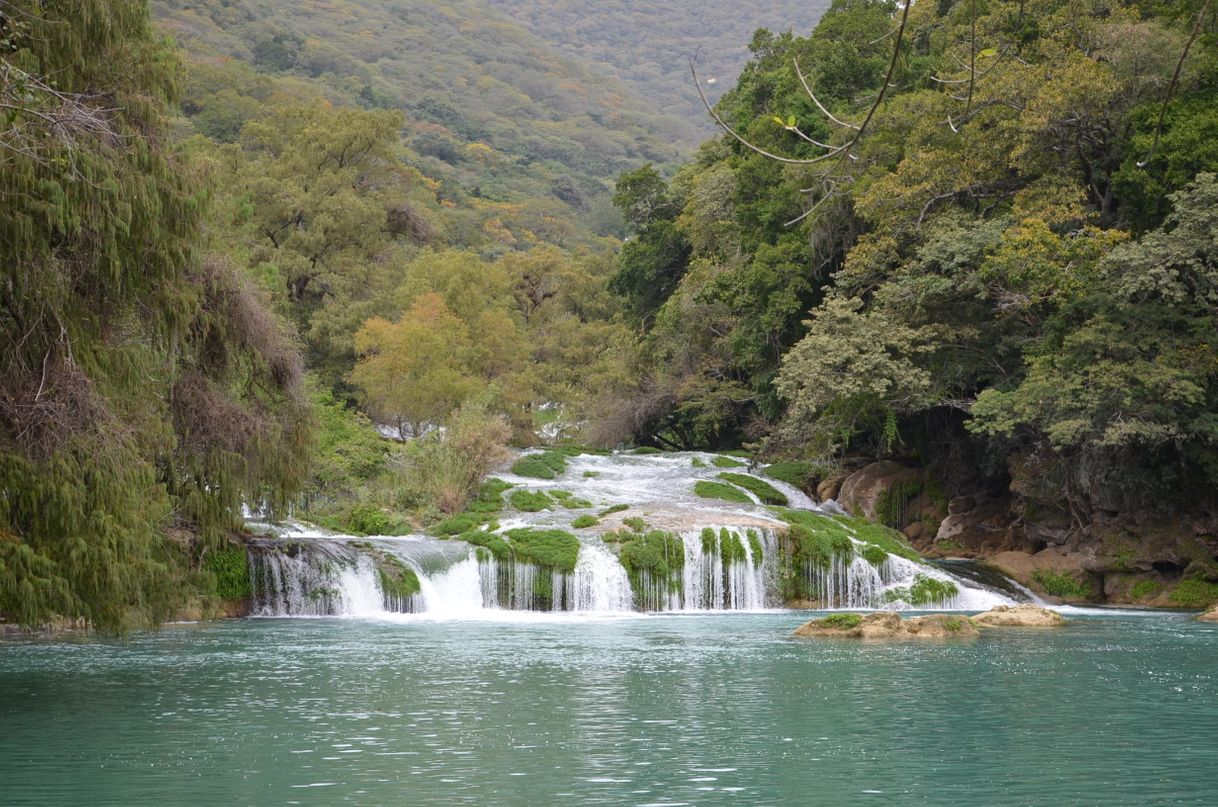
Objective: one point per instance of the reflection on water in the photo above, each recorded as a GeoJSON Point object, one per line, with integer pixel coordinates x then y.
{"type": "Point", "coordinates": [1118, 709]}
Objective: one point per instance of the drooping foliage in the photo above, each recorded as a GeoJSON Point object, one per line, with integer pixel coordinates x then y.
{"type": "Point", "coordinates": [145, 390]}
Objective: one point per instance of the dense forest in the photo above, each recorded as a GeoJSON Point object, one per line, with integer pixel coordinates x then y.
{"type": "Point", "coordinates": [974, 237]}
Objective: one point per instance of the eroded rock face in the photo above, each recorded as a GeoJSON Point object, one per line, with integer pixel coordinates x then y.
{"type": "Point", "coordinates": [861, 491]}
{"type": "Point", "coordinates": [1019, 616]}
{"type": "Point", "coordinates": [887, 625]}
{"type": "Point", "coordinates": [1209, 616]}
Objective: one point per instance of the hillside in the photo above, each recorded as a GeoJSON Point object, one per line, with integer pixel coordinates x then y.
{"type": "Point", "coordinates": [647, 45]}
{"type": "Point", "coordinates": [492, 111]}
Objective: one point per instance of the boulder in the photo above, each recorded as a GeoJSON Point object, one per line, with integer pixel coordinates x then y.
{"type": "Point", "coordinates": [830, 486]}
{"type": "Point", "coordinates": [1209, 616]}
{"type": "Point", "coordinates": [961, 504]}
{"type": "Point", "coordinates": [887, 625]}
{"type": "Point", "coordinates": [861, 492]}
{"type": "Point", "coordinates": [1019, 616]}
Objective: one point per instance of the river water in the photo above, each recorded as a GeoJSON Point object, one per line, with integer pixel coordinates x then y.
{"type": "Point", "coordinates": [555, 709]}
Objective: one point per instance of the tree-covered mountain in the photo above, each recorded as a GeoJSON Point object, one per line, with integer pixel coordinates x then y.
{"type": "Point", "coordinates": [648, 44]}
{"type": "Point", "coordinates": [493, 112]}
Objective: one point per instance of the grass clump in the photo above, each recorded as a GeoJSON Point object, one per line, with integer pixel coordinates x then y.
{"type": "Point", "coordinates": [617, 508]}
{"type": "Point", "coordinates": [1145, 588]}
{"type": "Point", "coordinates": [758, 487]}
{"type": "Point", "coordinates": [726, 462]}
{"type": "Point", "coordinates": [1194, 593]}
{"type": "Point", "coordinates": [698, 462]}
{"type": "Point", "coordinates": [1059, 584]}
{"type": "Point", "coordinates": [591, 474]}
{"type": "Point", "coordinates": [556, 549]}
{"type": "Point", "coordinates": [646, 450]}
{"type": "Point", "coordinates": [886, 538]}
{"type": "Point", "coordinates": [954, 624]}
{"type": "Point", "coordinates": [635, 523]}
{"type": "Point", "coordinates": [583, 522]}
{"type": "Point", "coordinates": [842, 621]}
{"type": "Point", "coordinates": [573, 503]}
{"type": "Point", "coordinates": [231, 570]}
{"type": "Point", "coordinates": [720, 490]}
{"type": "Point", "coordinates": [366, 519]}
{"type": "Point", "coordinates": [874, 555]}
{"type": "Point", "coordinates": [797, 473]}
{"type": "Point", "coordinates": [530, 501]}
{"type": "Point", "coordinates": [489, 541]}
{"type": "Point", "coordinates": [546, 465]}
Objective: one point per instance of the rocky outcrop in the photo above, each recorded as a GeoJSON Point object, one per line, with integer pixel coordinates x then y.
{"type": "Point", "coordinates": [887, 625]}
{"type": "Point", "coordinates": [1019, 616]}
{"type": "Point", "coordinates": [862, 490]}
{"type": "Point", "coordinates": [1209, 616]}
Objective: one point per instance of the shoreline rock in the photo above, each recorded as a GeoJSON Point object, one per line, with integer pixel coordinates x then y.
{"type": "Point", "coordinates": [888, 625]}
{"type": "Point", "coordinates": [1209, 616]}
{"type": "Point", "coordinates": [1024, 615]}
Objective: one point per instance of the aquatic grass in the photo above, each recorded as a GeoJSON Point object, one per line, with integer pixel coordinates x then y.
{"type": "Point", "coordinates": [797, 473]}
{"type": "Point", "coordinates": [575, 503]}
{"type": "Point", "coordinates": [546, 465]}
{"type": "Point", "coordinates": [925, 590]}
{"type": "Point", "coordinates": [530, 501]}
{"type": "Point", "coordinates": [726, 462]}
{"type": "Point", "coordinates": [635, 523]}
{"type": "Point", "coordinates": [755, 547]}
{"type": "Point", "coordinates": [658, 552]}
{"type": "Point", "coordinates": [874, 555]}
{"type": "Point", "coordinates": [720, 490]}
{"type": "Point", "coordinates": [585, 521]}
{"type": "Point", "coordinates": [489, 498]}
{"type": "Point", "coordinates": [646, 450]}
{"type": "Point", "coordinates": [397, 579]}
{"type": "Point", "coordinates": [758, 487]}
{"type": "Point", "coordinates": [556, 549]}
{"type": "Point", "coordinates": [698, 462]}
{"type": "Point", "coordinates": [616, 508]}
{"type": "Point", "coordinates": [886, 538]}
{"type": "Point", "coordinates": [492, 542]}
{"type": "Point", "coordinates": [458, 524]}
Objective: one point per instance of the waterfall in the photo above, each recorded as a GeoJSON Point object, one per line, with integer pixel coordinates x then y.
{"type": "Point", "coordinates": [599, 583]}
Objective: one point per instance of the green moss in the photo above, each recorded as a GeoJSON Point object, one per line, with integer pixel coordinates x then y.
{"type": "Point", "coordinates": [658, 552]}
{"type": "Point", "coordinates": [367, 519]}
{"type": "Point", "coordinates": [817, 547]}
{"type": "Point", "coordinates": [635, 523]}
{"type": "Point", "coordinates": [758, 487]}
{"type": "Point", "coordinates": [755, 547]}
{"type": "Point", "coordinates": [731, 547]}
{"type": "Point", "coordinates": [460, 523]}
{"type": "Point", "coordinates": [529, 501]}
{"type": "Point", "coordinates": [891, 505]}
{"type": "Point", "coordinates": [645, 450]}
{"type": "Point", "coordinates": [698, 462]}
{"type": "Point", "coordinates": [886, 538]}
{"type": "Point", "coordinates": [397, 579]}
{"type": "Point", "coordinates": [726, 462]}
{"type": "Point", "coordinates": [546, 465]}
{"type": "Point", "coordinates": [1194, 594]}
{"type": "Point", "coordinates": [924, 591]}
{"type": "Point", "coordinates": [841, 621]}
{"type": "Point", "coordinates": [797, 473]}
{"type": "Point", "coordinates": [874, 554]}
{"type": "Point", "coordinates": [720, 490]}
{"type": "Point", "coordinates": [954, 624]}
{"type": "Point", "coordinates": [1062, 585]}
{"type": "Point", "coordinates": [231, 570]}
{"type": "Point", "coordinates": [617, 508]}
{"type": "Point", "coordinates": [583, 522]}
{"type": "Point", "coordinates": [618, 536]}
{"type": "Point", "coordinates": [576, 450]}
{"type": "Point", "coordinates": [591, 474]}
{"type": "Point", "coordinates": [1145, 588]}
{"type": "Point", "coordinates": [560, 495]}
{"type": "Point", "coordinates": [490, 541]}
{"type": "Point", "coordinates": [556, 549]}
{"type": "Point", "coordinates": [574, 503]}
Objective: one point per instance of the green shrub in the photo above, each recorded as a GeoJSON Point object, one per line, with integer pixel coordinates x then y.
{"type": "Point", "coordinates": [1061, 585]}
{"type": "Point", "coordinates": [758, 487]}
{"type": "Point", "coordinates": [583, 522]}
{"type": "Point", "coordinates": [529, 501]}
{"type": "Point", "coordinates": [720, 490]}
{"type": "Point", "coordinates": [1194, 594]}
{"type": "Point", "coordinates": [1145, 588]}
{"type": "Point", "coordinates": [231, 570]}
{"type": "Point", "coordinates": [556, 549]}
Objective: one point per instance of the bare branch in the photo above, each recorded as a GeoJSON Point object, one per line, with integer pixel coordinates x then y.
{"type": "Point", "coordinates": [815, 100]}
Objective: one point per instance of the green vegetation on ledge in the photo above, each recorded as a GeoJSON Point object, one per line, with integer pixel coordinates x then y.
{"type": "Point", "coordinates": [720, 490]}
{"type": "Point", "coordinates": [760, 488]}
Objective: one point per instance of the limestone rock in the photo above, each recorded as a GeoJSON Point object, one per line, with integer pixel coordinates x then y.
{"type": "Point", "coordinates": [830, 487]}
{"type": "Point", "coordinates": [1209, 616]}
{"type": "Point", "coordinates": [888, 625]}
{"type": "Point", "coordinates": [1025, 615]}
{"type": "Point", "coordinates": [861, 492]}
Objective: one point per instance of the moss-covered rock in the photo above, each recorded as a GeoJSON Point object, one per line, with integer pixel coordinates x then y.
{"type": "Point", "coordinates": [763, 490]}
{"type": "Point", "coordinates": [888, 625]}
{"type": "Point", "coordinates": [555, 549]}
{"type": "Point", "coordinates": [546, 465]}
{"type": "Point", "coordinates": [720, 490]}
{"type": "Point", "coordinates": [530, 501]}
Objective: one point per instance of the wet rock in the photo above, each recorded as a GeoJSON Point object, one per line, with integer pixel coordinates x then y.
{"type": "Point", "coordinates": [830, 487]}
{"type": "Point", "coordinates": [861, 492]}
{"type": "Point", "coordinates": [961, 504]}
{"type": "Point", "coordinates": [1019, 616]}
{"type": "Point", "coordinates": [915, 531]}
{"type": "Point", "coordinates": [887, 625]}
{"type": "Point", "coordinates": [1209, 616]}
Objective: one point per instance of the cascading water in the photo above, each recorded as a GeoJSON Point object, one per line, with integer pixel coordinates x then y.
{"type": "Point", "coordinates": [705, 554]}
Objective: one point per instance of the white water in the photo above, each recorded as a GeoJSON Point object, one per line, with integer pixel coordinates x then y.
{"type": "Point", "coordinates": [312, 572]}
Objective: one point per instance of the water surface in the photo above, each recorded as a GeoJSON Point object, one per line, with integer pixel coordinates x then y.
{"type": "Point", "coordinates": [673, 709]}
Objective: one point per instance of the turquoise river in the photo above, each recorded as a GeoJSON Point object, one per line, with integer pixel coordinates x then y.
{"type": "Point", "coordinates": [534, 709]}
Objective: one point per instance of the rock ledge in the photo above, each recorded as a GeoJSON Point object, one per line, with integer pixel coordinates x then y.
{"type": "Point", "coordinates": [1019, 616]}
{"type": "Point", "coordinates": [887, 625]}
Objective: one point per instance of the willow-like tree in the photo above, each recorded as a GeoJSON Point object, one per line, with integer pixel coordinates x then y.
{"type": "Point", "coordinates": [144, 392]}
